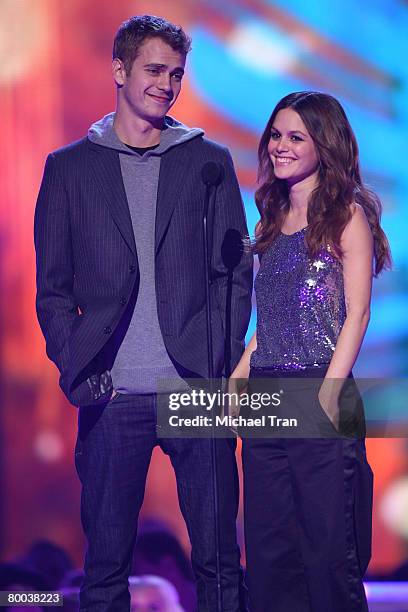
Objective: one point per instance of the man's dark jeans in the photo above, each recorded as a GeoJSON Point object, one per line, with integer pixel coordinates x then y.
{"type": "Point", "coordinates": [112, 456]}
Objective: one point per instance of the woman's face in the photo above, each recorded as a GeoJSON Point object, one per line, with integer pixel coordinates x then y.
{"type": "Point", "coordinates": [291, 148]}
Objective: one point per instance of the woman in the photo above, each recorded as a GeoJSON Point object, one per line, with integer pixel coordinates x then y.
{"type": "Point", "coordinates": [308, 498]}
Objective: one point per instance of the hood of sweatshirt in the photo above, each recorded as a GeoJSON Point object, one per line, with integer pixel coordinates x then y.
{"type": "Point", "coordinates": [174, 133]}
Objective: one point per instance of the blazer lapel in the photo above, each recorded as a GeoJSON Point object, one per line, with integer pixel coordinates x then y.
{"type": "Point", "coordinates": [105, 164]}
{"type": "Point", "coordinates": [173, 168]}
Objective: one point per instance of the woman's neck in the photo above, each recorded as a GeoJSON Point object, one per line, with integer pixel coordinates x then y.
{"type": "Point", "coordinates": [299, 195]}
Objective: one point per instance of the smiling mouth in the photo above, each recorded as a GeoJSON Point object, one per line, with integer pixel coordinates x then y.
{"type": "Point", "coordinates": [161, 99]}
{"type": "Point", "coordinates": [285, 161]}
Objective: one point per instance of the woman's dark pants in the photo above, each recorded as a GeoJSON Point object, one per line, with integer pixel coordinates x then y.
{"type": "Point", "coordinates": [308, 503]}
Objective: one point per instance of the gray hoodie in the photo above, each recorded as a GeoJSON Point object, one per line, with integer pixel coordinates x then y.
{"type": "Point", "coordinates": [142, 358]}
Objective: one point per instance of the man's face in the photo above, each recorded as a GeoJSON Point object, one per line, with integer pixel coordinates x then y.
{"type": "Point", "coordinates": [154, 83]}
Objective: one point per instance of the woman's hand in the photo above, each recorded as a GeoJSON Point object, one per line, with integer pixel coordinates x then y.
{"type": "Point", "coordinates": [238, 381]}
{"type": "Point", "coordinates": [236, 387]}
{"type": "Point", "coordinates": [328, 397]}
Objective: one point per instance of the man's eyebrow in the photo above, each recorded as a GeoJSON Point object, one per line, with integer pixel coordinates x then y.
{"type": "Point", "coordinates": [161, 66]}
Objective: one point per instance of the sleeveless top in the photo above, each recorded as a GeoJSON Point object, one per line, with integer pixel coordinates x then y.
{"type": "Point", "coordinates": [300, 305]}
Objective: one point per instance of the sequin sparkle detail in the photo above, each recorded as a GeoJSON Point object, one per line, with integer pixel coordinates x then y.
{"type": "Point", "coordinates": [300, 303]}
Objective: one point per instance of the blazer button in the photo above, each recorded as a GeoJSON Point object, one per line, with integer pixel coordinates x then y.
{"type": "Point", "coordinates": [123, 300]}
{"type": "Point", "coordinates": [107, 330]}
{"type": "Point", "coordinates": [132, 268]}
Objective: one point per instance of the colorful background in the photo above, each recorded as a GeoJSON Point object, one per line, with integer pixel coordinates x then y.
{"type": "Point", "coordinates": [55, 80]}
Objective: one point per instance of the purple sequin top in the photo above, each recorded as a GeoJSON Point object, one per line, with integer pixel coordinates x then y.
{"type": "Point", "coordinates": [300, 303]}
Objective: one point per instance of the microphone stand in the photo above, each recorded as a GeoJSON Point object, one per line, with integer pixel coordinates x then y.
{"type": "Point", "coordinates": [207, 259]}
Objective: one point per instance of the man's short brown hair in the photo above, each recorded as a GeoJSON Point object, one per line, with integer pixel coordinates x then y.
{"type": "Point", "coordinates": [134, 31]}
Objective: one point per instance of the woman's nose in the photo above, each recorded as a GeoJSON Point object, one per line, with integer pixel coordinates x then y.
{"type": "Point", "coordinates": [282, 144]}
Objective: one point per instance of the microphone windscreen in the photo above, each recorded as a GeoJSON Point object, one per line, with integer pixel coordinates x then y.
{"type": "Point", "coordinates": [212, 173]}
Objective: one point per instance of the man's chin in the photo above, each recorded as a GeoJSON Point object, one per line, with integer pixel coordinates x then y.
{"type": "Point", "coordinates": [155, 118]}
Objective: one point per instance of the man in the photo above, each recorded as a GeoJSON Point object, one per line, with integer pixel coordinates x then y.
{"type": "Point", "coordinates": [121, 302]}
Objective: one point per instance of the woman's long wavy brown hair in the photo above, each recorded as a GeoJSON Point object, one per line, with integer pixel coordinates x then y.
{"type": "Point", "coordinates": [339, 181]}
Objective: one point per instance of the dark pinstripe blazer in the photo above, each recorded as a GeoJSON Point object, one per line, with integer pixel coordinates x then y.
{"type": "Point", "coordinates": [87, 266]}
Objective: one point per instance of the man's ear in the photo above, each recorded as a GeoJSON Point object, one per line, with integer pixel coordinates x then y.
{"type": "Point", "coordinates": [118, 72]}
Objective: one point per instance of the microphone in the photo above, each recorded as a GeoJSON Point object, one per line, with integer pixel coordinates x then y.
{"type": "Point", "coordinates": [212, 174]}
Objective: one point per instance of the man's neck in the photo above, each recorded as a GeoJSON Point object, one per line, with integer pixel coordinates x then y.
{"type": "Point", "coordinates": [137, 132]}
